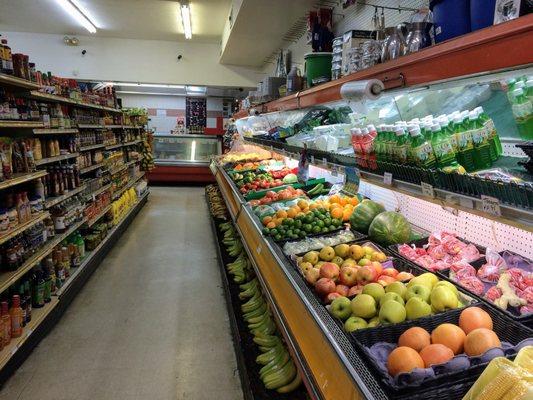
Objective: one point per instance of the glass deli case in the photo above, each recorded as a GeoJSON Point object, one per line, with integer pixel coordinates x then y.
{"type": "Point", "coordinates": [184, 158]}
{"type": "Point", "coordinates": [185, 149]}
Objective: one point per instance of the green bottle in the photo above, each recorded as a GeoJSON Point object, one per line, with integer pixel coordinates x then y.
{"type": "Point", "coordinates": [420, 149]}
{"type": "Point", "coordinates": [388, 148]}
{"type": "Point", "coordinates": [496, 149]}
{"type": "Point", "coordinates": [442, 147]}
{"type": "Point", "coordinates": [400, 147]}
{"type": "Point", "coordinates": [480, 139]}
{"type": "Point", "coordinates": [523, 114]}
{"type": "Point", "coordinates": [463, 136]}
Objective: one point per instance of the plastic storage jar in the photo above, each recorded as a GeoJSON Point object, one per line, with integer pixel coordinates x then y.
{"type": "Point", "coordinates": [451, 17]}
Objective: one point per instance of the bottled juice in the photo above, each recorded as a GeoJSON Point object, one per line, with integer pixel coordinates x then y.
{"type": "Point", "coordinates": [523, 114]}
{"type": "Point", "coordinates": [356, 133]}
{"type": "Point", "coordinates": [442, 147]}
{"type": "Point", "coordinates": [463, 136]}
{"type": "Point", "coordinates": [494, 139]}
{"type": "Point", "coordinates": [16, 317]}
{"type": "Point", "coordinates": [481, 142]}
{"type": "Point", "coordinates": [367, 147]}
{"type": "Point", "coordinates": [401, 145]}
{"type": "Point", "coordinates": [421, 152]}
{"type": "Point", "coordinates": [372, 130]}
{"type": "Point", "coordinates": [378, 142]}
{"type": "Point", "coordinates": [385, 146]}
{"type": "Point", "coordinates": [446, 129]}
{"type": "Point", "coordinates": [6, 319]}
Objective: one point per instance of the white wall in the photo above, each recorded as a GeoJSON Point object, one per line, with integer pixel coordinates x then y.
{"type": "Point", "coordinates": [131, 60]}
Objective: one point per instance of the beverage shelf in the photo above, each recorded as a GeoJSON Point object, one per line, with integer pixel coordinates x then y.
{"type": "Point", "coordinates": [55, 131]}
{"type": "Point", "coordinates": [474, 53]}
{"type": "Point", "coordinates": [22, 227]}
{"type": "Point", "coordinates": [92, 147]}
{"type": "Point", "coordinates": [14, 82]}
{"type": "Point", "coordinates": [52, 201]}
{"type": "Point", "coordinates": [36, 95]}
{"type": "Point", "coordinates": [9, 278]}
{"type": "Point", "coordinates": [37, 317]}
{"type": "Point", "coordinates": [21, 178]}
{"type": "Point", "coordinates": [50, 160]}
{"type": "Point", "coordinates": [20, 124]}
{"type": "Point", "coordinates": [98, 216]}
{"type": "Point", "coordinates": [91, 168]}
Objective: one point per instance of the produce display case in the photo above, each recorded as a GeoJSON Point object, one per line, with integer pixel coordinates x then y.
{"type": "Point", "coordinates": [183, 158]}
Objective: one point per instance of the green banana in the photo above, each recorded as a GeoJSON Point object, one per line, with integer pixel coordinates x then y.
{"type": "Point", "coordinates": [291, 386]}
{"type": "Point", "coordinates": [316, 190]}
{"type": "Point", "coordinates": [257, 312]}
{"type": "Point", "coordinates": [276, 364]}
{"type": "Point", "coordinates": [268, 328]}
{"type": "Point", "coordinates": [252, 305]}
{"type": "Point", "coordinates": [264, 349]}
{"type": "Point", "coordinates": [259, 319]}
{"type": "Point", "coordinates": [266, 341]}
{"type": "Point", "coordinates": [246, 285]}
{"type": "Point", "coordinates": [280, 377]}
{"type": "Point", "coordinates": [268, 356]}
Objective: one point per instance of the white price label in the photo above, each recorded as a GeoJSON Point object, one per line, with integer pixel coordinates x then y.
{"type": "Point", "coordinates": [491, 205]}
{"type": "Point", "coordinates": [334, 170]}
{"type": "Point", "coordinates": [259, 249]}
{"type": "Point", "coordinates": [387, 178]}
{"type": "Point", "coordinates": [427, 190]}
{"type": "Point", "coordinates": [312, 159]}
{"type": "Point", "coordinates": [324, 162]}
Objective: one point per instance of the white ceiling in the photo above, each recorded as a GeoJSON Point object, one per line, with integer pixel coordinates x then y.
{"type": "Point", "coordinates": [132, 19]}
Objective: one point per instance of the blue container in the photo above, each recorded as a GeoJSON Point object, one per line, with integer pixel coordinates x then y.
{"type": "Point", "coordinates": [451, 17]}
{"type": "Point", "coordinates": [481, 13]}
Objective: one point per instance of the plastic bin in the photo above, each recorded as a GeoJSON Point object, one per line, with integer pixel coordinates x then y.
{"type": "Point", "coordinates": [481, 13]}
{"type": "Point", "coordinates": [318, 68]}
{"type": "Point", "coordinates": [452, 18]}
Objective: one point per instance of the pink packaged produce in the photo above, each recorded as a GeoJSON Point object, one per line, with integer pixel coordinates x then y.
{"type": "Point", "coordinates": [442, 251]}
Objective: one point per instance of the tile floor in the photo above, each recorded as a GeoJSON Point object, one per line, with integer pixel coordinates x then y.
{"type": "Point", "coordinates": [151, 323]}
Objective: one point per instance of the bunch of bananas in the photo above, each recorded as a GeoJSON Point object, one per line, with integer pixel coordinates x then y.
{"type": "Point", "coordinates": [217, 207]}
{"type": "Point", "coordinates": [278, 371]}
{"type": "Point", "coordinates": [147, 161]}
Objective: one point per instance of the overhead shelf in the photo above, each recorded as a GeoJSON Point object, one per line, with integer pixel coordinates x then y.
{"type": "Point", "coordinates": [475, 53]}
{"type": "Point", "coordinates": [21, 178]}
{"type": "Point", "coordinates": [14, 82]}
{"type": "Point", "coordinates": [20, 124]}
{"type": "Point", "coordinates": [36, 95]}
{"type": "Point", "coordinates": [55, 131]}
{"type": "Point", "coordinates": [50, 160]}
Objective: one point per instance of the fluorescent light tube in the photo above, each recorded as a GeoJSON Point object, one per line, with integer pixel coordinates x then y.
{"type": "Point", "coordinates": [77, 14]}
{"type": "Point", "coordinates": [153, 85]}
{"type": "Point", "coordinates": [185, 9]}
{"type": "Point", "coordinates": [150, 93]}
{"type": "Point", "coordinates": [193, 150]}
{"type": "Point", "coordinates": [196, 89]}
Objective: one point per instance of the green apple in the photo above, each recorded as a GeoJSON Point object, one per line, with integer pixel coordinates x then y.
{"type": "Point", "coordinates": [443, 298]}
{"type": "Point", "coordinates": [432, 278]}
{"type": "Point", "coordinates": [364, 306]}
{"type": "Point", "coordinates": [340, 308]}
{"type": "Point", "coordinates": [375, 290]}
{"type": "Point", "coordinates": [364, 261]}
{"type": "Point", "coordinates": [311, 257]}
{"type": "Point", "coordinates": [396, 287]}
{"type": "Point", "coordinates": [420, 280]}
{"type": "Point", "coordinates": [354, 323]}
{"type": "Point", "coordinates": [392, 296]}
{"type": "Point", "coordinates": [418, 291]}
{"type": "Point", "coordinates": [448, 285]}
{"type": "Point", "coordinates": [373, 322]}
{"type": "Point", "coordinates": [342, 250]}
{"type": "Point", "coordinates": [417, 308]}
{"type": "Point", "coordinates": [392, 312]}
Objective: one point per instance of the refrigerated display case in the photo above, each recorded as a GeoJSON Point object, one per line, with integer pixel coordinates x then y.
{"type": "Point", "coordinates": [183, 158]}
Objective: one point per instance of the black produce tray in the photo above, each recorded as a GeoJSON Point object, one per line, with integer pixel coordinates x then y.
{"type": "Point", "coordinates": [283, 241]}
{"type": "Point", "coordinates": [527, 148]}
{"type": "Point", "coordinates": [506, 329]}
{"type": "Point", "coordinates": [245, 348]}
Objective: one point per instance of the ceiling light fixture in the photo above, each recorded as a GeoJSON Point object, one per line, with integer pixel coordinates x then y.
{"type": "Point", "coordinates": [75, 12]}
{"type": "Point", "coordinates": [152, 85]}
{"type": "Point", "coordinates": [196, 89]}
{"type": "Point", "coordinates": [185, 9]}
{"type": "Point", "coordinates": [150, 93]}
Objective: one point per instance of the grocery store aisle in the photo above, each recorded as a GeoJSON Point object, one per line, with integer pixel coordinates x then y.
{"type": "Point", "coordinates": [151, 323]}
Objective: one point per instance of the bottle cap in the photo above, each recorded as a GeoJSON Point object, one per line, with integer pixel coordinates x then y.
{"type": "Point", "coordinates": [16, 300]}
{"type": "Point", "coordinates": [371, 127]}
{"type": "Point", "coordinates": [435, 127]}
{"type": "Point", "coordinates": [518, 92]}
{"type": "Point", "coordinates": [472, 115]}
{"type": "Point", "coordinates": [399, 130]}
{"type": "Point", "coordinates": [364, 131]}
{"type": "Point", "coordinates": [414, 130]}
{"type": "Point", "coordinates": [457, 119]}
{"type": "Point", "coordinates": [519, 85]}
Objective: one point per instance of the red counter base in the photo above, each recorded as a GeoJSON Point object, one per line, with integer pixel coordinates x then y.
{"type": "Point", "coordinates": [181, 174]}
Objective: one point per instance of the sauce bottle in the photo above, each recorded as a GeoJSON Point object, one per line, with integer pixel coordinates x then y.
{"type": "Point", "coordinates": [27, 296]}
{"type": "Point", "coordinates": [7, 60]}
{"type": "Point", "coordinates": [16, 317]}
{"type": "Point", "coordinates": [38, 290]}
{"type": "Point", "coordinates": [6, 319]}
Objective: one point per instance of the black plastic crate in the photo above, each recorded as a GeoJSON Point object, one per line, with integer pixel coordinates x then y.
{"type": "Point", "coordinates": [506, 329]}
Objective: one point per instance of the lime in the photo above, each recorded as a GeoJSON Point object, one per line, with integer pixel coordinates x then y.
{"type": "Point", "coordinates": [327, 221]}
{"type": "Point", "coordinates": [308, 228]}
{"type": "Point", "coordinates": [336, 222]}
{"type": "Point", "coordinates": [298, 223]}
{"type": "Point", "coordinates": [321, 216]}
{"type": "Point", "coordinates": [302, 234]}
{"type": "Point", "coordinates": [277, 237]}
{"type": "Point", "coordinates": [274, 232]}
{"type": "Point", "coordinates": [320, 224]}
{"type": "Point", "coordinates": [308, 218]}
{"type": "Point", "coordinates": [266, 231]}
{"type": "Point", "coordinates": [290, 232]}
{"type": "Point", "coordinates": [316, 229]}
{"type": "Point", "coordinates": [290, 221]}
{"type": "Point", "coordinates": [296, 231]}
{"type": "Point", "coordinates": [325, 229]}
{"type": "Point", "coordinates": [294, 236]}
{"type": "Point", "coordinates": [332, 228]}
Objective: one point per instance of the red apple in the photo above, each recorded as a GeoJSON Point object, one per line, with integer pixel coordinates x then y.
{"type": "Point", "coordinates": [348, 276]}
{"type": "Point", "coordinates": [355, 290]}
{"type": "Point", "coordinates": [390, 272]}
{"type": "Point", "coordinates": [384, 280]}
{"type": "Point", "coordinates": [342, 290]}
{"type": "Point", "coordinates": [378, 267]}
{"type": "Point", "coordinates": [330, 297]}
{"type": "Point", "coordinates": [366, 275]}
{"type": "Point", "coordinates": [312, 275]}
{"type": "Point", "coordinates": [404, 276]}
{"type": "Point", "coordinates": [324, 286]}
{"type": "Point", "coordinates": [329, 270]}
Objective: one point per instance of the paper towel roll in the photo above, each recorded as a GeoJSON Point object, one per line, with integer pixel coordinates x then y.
{"type": "Point", "coordinates": [360, 90]}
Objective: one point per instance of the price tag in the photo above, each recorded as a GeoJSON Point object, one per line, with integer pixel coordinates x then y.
{"type": "Point", "coordinates": [387, 178]}
{"type": "Point", "coordinates": [491, 205]}
{"type": "Point", "coordinates": [324, 162]}
{"type": "Point", "coordinates": [259, 249]}
{"type": "Point", "coordinates": [312, 159]}
{"type": "Point", "coordinates": [427, 190]}
{"type": "Point", "coordinates": [334, 171]}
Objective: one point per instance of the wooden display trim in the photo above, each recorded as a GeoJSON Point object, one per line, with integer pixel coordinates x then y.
{"type": "Point", "coordinates": [474, 53]}
{"type": "Point", "coordinates": [50, 160]}
{"type": "Point", "coordinates": [22, 178]}
{"type": "Point", "coordinates": [55, 131]}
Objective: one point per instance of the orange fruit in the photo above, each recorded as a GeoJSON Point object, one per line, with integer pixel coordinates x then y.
{"type": "Point", "coordinates": [403, 359]}
{"type": "Point", "coordinates": [278, 221]}
{"type": "Point", "coordinates": [334, 199]}
{"type": "Point", "coordinates": [354, 201]}
{"type": "Point", "coordinates": [305, 210]}
{"type": "Point", "coordinates": [346, 215]}
{"type": "Point", "coordinates": [302, 204]}
{"type": "Point", "coordinates": [292, 212]}
{"type": "Point", "coordinates": [312, 206]}
{"type": "Point", "coordinates": [337, 213]}
{"type": "Point", "coordinates": [334, 205]}
{"type": "Point", "coordinates": [416, 338]}
{"type": "Point", "coordinates": [271, 225]}
{"type": "Point", "coordinates": [281, 214]}
{"type": "Point", "coordinates": [449, 335]}
{"type": "Point", "coordinates": [342, 201]}
{"type": "Point", "coordinates": [267, 219]}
